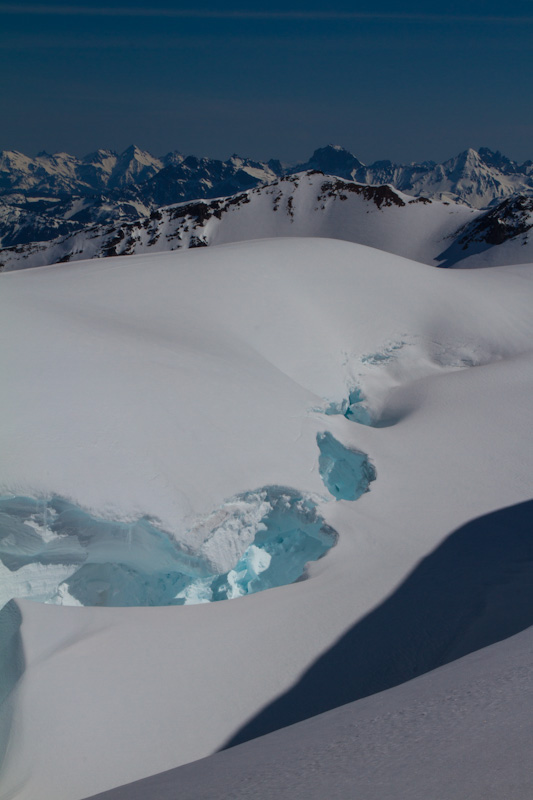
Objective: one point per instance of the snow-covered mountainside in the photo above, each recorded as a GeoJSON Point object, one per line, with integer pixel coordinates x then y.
{"type": "Point", "coordinates": [306, 204]}
{"type": "Point", "coordinates": [104, 186]}
{"type": "Point", "coordinates": [39, 219]}
{"type": "Point", "coordinates": [343, 427]}
{"type": "Point", "coordinates": [501, 235]}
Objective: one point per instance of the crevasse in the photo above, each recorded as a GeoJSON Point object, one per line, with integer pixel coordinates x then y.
{"type": "Point", "coordinates": [346, 473]}
{"type": "Point", "coordinates": [55, 552]}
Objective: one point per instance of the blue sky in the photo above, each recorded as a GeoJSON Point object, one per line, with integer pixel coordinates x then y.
{"type": "Point", "coordinates": [407, 81]}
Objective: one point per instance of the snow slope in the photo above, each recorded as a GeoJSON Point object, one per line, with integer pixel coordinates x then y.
{"type": "Point", "coordinates": [164, 387]}
{"type": "Point", "coordinates": [463, 730]}
{"type": "Point", "coordinates": [499, 236]}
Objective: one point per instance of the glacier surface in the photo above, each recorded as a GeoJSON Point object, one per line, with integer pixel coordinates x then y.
{"type": "Point", "coordinates": [156, 387]}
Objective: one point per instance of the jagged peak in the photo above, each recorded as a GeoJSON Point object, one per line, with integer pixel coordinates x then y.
{"type": "Point", "coordinates": [10, 154]}
{"type": "Point", "coordinates": [468, 156]}
{"type": "Point", "coordinates": [133, 152]}
{"type": "Point", "coordinates": [173, 157]}
{"type": "Point", "coordinates": [133, 149]}
{"type": "Point", "coordinates": [338, 147]}
{"type": "Point", "coordinates": [496, 159]}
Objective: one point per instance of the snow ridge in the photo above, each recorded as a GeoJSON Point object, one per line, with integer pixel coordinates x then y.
{"type": "Point", "coordinates": [306, 204]}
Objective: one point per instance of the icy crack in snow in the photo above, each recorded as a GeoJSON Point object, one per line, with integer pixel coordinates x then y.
{"type": "Point", "coordinates": [372, 378]}
{"type": "Point", "coordinates": [346, 473]}
{"type": "Point", "coordinates": [354, 408]}
{"type": "Point", "coordinates": [55, 552]}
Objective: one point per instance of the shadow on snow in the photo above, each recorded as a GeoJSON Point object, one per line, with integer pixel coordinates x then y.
{"type": "Point", "coordinates": [474, 590]}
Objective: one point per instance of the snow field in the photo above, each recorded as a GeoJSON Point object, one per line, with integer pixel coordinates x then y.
{"type": "Point", "coordinates": [170, 384]}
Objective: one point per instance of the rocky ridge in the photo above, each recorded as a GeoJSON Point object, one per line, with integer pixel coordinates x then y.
{"type": "Point", "coordinates": [305, 204]}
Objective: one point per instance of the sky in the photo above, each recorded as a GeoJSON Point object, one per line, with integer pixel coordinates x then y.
{"type": "Point", "coordinates": [406, 80]}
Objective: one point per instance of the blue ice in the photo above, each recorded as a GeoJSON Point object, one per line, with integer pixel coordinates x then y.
{"type": "Point", "coordinates": [353, 408]}
{"type": "Point", "coordinates": [346, 473]}
{"type": "Point", "coordinates": [109, 563]}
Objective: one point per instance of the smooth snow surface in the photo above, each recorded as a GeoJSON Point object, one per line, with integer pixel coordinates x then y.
{"type": "Point", "coordinates": [166, 388]}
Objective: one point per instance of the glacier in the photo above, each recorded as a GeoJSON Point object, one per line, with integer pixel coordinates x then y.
{"type": "Point", "coordinates": [150, 393]}
{"type": "Point", "coordinates": [52, 551]}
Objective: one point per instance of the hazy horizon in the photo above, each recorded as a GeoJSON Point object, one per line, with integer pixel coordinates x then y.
{"type": "Point", "coordinates": [423, 83]}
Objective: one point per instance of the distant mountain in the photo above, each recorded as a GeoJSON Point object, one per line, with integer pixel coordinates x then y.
{"type": "Point", "coordinates": [49, 195]}
{"type": "Point", "coordinates": [42, 219]}
{"type": "Point", "coordinates": [195, 178]}
{"type": "Point", "coordinates": [63, 175]}
{"type": "Point", "coordinates": [334, 160]}
{"type": "Point", "coordinates": [477, 179]}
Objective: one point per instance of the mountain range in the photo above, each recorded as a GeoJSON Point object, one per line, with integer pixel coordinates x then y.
{"type": "Point", "coordinates": [51, 195]}
{"type": "Point", "coordinates": [59, 207]}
